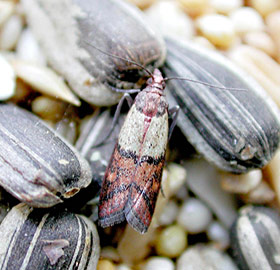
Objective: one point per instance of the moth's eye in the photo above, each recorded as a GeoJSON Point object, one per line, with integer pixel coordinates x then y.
{"type": "Point", "coordinates": [150, 81]}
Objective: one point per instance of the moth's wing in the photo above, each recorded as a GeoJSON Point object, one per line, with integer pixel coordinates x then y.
{"type": "Point", "coordinates": [115, 189]}
{"type": "Point", "coordinates": [143, 193]}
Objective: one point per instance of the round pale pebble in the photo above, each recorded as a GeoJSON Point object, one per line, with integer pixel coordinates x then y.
{"type": "Point", "coordinates": [159, 263]}
{"type": "Point", "coordinates": [171, 241]}
{"type": "Point", "coordinates": [105, 265]}
{"type": "Point", "coordinates": [178, 24]}
{"type": "Point", "coordinates": [202, 257]}
{"type": "Point", "coordinates": [123, 267]}
{"type": "Point", "coordinates": [194, 216]}
{"type": "Point", "coordinates": [265, 7]}
{"type": "Point", "coordinates": [246, 19]}
{"type": "Point", "coordinates": [10, 32]}
{"type": "Point", "coordinates": [195, 7]}
{"type": "Point", "coordinates": [216, 232]}
{"type": "Point", "coordinates": [261, 41]}
{"type": "Point", "coordinates": [8, 79]}
{"type": "Point", "coordinates": [28, 48]}
{"type": "Point", "coordinates": [177, 176]}
{"type": "Point", "coordinates": [142, 3]}
{"type": "Point", "coordinates": [241, 183]}
{"type": "Point", "coordinates": [48, 108]}
{"type": "Point", "coordinates": [169, 214]}
{"type": "Point", "coordinates": [224, 7]}
{"type": "Point", "coordinates": [218, 29]}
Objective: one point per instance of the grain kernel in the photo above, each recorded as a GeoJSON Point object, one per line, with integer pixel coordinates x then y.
{"type": "Point", "coordinates": [171, 242]}
{"type": "Point", "coordinates": [218, 29]}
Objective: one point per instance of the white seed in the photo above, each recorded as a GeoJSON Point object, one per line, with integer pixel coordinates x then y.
{"type": "Point", "coordinates": [159, 263]}
{"type": "Point", "coordinates": [264, 7]}
{"type": "Point", "coordinates": [6, 10]}
{"type": "Point", "coordinates": [241, 183]}
{"type": "Point", "coordinates": [260, 66]}
{"type": "Point", "coordinates": [246, 20]}
{"type": "Point", "coordinates": [177, 177]}
{"type": "Point", "coordinates": [105, 265]}
{"type": "Point", "coordinates": [8, 79]}
{"type": "Point", "coordinates": [48, 108]}
{"type": "Point", "coordinates": [169, 213]}
{"type": "Point", "coordinates": [218, 29]}
{"type": "Point", "coordinates": [222, 6]}
{"type": "Point", "coordinates": [261, 41]}
{"type": "Point", "coordinates": [195, 7]}
{"type": "Point", "coordinates": [204, 257]}
{"type": "Point", "coordinates": [44, 80]}
{"type": "Point", "coordinates": [171, 241]}
{"type": "Point", "coordinates": [28, 48]}
{"type": "Point", "coordinates": [216, 232]}
{"type": "Point", "coordinates": [178, 25]}
{"type": "Point", "coordinates": [10, 32]}
{"type": "Point", "coordinates": [204, 42]}
{"type": "Point", "coordinates": [273, 25]}
{"type": "Point", "coordinates": [123, 267]}
{"type": "Point", "coordinates": [203, 181]}
{"type": "Point", "coordinates": [260, 195]}
{"type": "Point", "coordinates": [194, 216]}
{"type": "Point", "coordinates": [273, 172]}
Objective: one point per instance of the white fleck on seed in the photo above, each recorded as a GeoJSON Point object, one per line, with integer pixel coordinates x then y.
{"type": "Point", "coordinates": [63, 162]}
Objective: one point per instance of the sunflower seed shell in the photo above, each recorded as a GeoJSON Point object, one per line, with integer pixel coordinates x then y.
{"type": "Point", "coordinates": [237, 130]}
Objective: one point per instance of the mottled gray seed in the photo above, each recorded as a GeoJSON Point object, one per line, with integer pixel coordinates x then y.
{"type": "Point", "coordinates": [68, 26]}
{"type": "Point", "coordinates": [255, 238]}
{"type": "Point", "coordinates": [38, 239]}
{"type": "Point", "coordinates": [37, 166]}
{"type": "Point", "coordinates": [237, 130]}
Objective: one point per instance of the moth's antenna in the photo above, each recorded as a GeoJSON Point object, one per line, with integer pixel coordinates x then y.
{"type": "Point", "coordinates": [204, 83]}
{"type": "Point", "coordinates": [119, 57]}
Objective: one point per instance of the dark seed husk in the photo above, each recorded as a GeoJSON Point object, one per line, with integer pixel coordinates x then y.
{"type": "Point", "coordinates": [38, 239]}
{"type": "Point", "coordinates": [65, 29]}
{"type": "Point", "coordinates": [255, 239]}
{"type": "Point", "coordinates": [237, 130]}
{"type": "Point", "coordinates": [37, 166]}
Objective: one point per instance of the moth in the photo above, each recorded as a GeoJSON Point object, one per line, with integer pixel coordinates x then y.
{"type": "Point", "coordinates": [132, 179]}
{"type": "Point", "coordinates": [133, 176]}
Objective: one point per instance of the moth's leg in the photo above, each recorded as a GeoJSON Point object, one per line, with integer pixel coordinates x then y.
{"type": "Point", "coordinates": [129, 100]}
{"type": "Point", "coordinates": [173, 112]}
